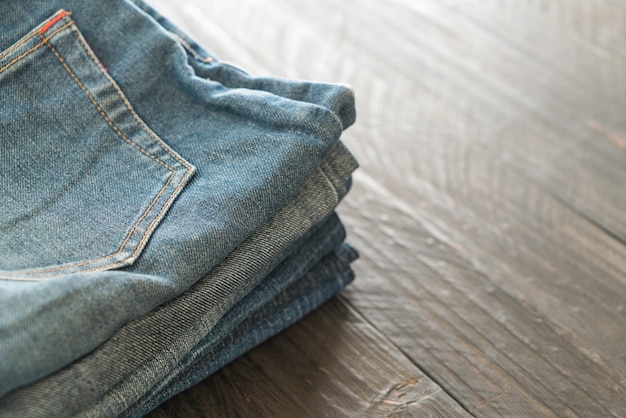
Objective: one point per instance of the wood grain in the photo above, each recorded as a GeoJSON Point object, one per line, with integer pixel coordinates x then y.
{"type": "Point", "coordinates": [489, 208]}
{"type": "Point", "coordinates": [349, 370]}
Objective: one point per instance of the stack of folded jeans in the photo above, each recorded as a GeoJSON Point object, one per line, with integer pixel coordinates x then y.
{"type": "Point", "coordinates": [162, 212]}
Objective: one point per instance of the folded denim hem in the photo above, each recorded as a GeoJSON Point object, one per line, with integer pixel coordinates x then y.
{"type": "Point", "coordinates": [126, 366]}
{"type": "Point", "coordinates": [230, 340]}
{"type": "Point", "coordinates": [208, 66]}
{"type": "Point", "coordinates": [273, 318]}
{"type": "Point", "coordinates": [193, 322]}
{"type": "Point", "coordinates": [312, 204]}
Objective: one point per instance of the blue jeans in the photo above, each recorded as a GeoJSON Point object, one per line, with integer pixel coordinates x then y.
{"type": "Point", "coordinates": [326, 279]}
{"type": "Point", "coordinates": [131, 164]}
{"type": "Point", "coordinates": [146, 354]}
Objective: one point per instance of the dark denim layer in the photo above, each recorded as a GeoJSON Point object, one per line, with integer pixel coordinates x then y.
{"type": "Point", "coordinates": [327, 278]}
{"type": "Point", "coordinates": [150, 348]}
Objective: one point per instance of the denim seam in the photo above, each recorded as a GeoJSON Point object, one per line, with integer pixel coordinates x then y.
{"type": "Point", "coordinates": [188, 47]}
{"type": "Point", "coordinates": [91, 55]}
{"type": "Point", "coordinates": [30, 35]}
{"type": "Point", "coordinates": [323, 167]}
{"type": "Point", "coordinates": [10, 63]}
{"type": "Point", "coordinates": [154, 137]}
{"type": "Point", "coordinates": [125, 100]}
{"type": "Point", "coordinates": [99, 108]}
{"type": "Point", "coordinates": [139, 246]}
{"type": "Point", "coordinates": [44, 41]}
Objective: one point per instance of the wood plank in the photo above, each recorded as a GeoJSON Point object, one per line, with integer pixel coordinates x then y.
{"type": "Point", "coordinates": [350, 370]}
{"type": "Point", "coordinates": [572, 88]}
{"type": "Point", "coordinates": [478, 338]}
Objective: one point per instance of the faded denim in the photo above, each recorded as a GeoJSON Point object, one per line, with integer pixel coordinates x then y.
{"type": "Point", "coordinates": [160, 345]}
{"type": "Point", "coordinates": [231, 339]}
{"type": "Point", "coordinates": [138, 354]}
{"type": "Point", "coordinates": [126, 175]}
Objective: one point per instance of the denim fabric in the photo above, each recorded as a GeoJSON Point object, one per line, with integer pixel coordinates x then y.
{"type": "Point", "coordinates": [233, 337]}
{"type": "Point", "coordinates": [221, 345]}
{"type": "Point", "coordinates": [231, 76]}
{"type": "Point", "coordinates": [256, 256]}
{"type": "Point", "coordinates": [149, 348]}
{"type": "Point", "coordinates": [126, 175]}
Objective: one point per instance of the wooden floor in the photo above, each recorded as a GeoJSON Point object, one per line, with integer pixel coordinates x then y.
{"type": "Point", "coordinates": [489, 210]}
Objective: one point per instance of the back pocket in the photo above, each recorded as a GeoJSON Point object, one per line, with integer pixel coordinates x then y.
{"type": "Point", "coordinates": [83, 181]}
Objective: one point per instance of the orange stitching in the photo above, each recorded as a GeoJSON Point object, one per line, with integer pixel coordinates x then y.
{"type": "Point", "coordinates": [32, 33]}
{"type": "Point", "coordinates": [145, 236]}
{"type": "Point", "coordinates": [127, 103]}
{"type": "Point", "coordinates": [138, 247]}
{"type": "Point", "coordinates": [173, 173]}
{"type": "Point", "coordinates": [60, 15]}
{"type": "Point", "coordinates": [66, 266]}
{"type": "Point", "coordinates": [95, 103]}
{"type": "Point", "coordinates": [20, 57]}
{"type": "Point", "coordinates": [89, 52]}
{"type": "Point", "coordinates": [188, 47]}
{"type": "Point", "coordinates": [135, 252]}
{"type": "Point", "coordinates": [118, 263]}
{"type": "Point", "coordinates": [70, 23]}
{"type": "Point", "coordinates": [156, 198]}
{"type": "Point", "coordinates": [33, 48]}
{"type": "Point", "coordinates": [146, 214]}
{"type": "Point", "coordinates": [166, 204]}
{"type": "Point", "coordinates": [18, 44]}
{"type": "Point", "coordinates": [21, 41]}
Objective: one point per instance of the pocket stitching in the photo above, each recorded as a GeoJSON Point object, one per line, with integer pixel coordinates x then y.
{"type": "Point", "coordinates": [25, 54]}
{"type": "Point", "coordinates": [189, 168]}
{"type": "Point", "coordinates": [119, 133]}
{"type": "Point", "coordinates": [125, 100]}
{"type": "Point", "coordinates": [98, 107]}
{"type": "Point", "coordinates": [30, 35]}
